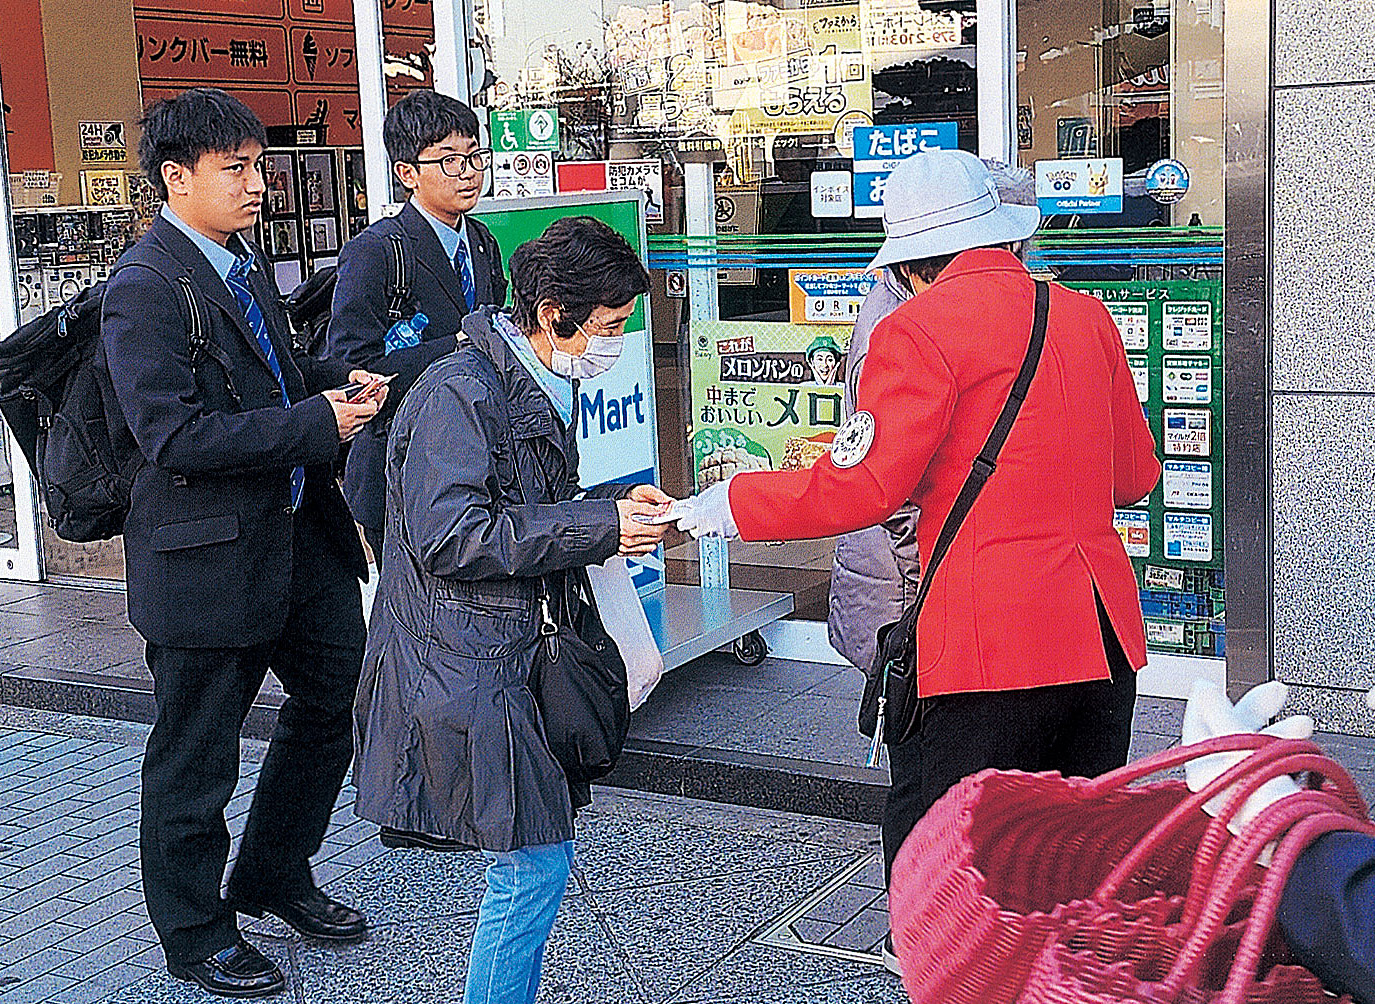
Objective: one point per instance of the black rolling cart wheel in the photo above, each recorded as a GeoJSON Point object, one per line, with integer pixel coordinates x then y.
{"type": "Point", "coordinates": [749, 650]}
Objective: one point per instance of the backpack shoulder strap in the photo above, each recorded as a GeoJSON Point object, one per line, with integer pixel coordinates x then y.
{"type": "Point", "coordinates": [197, 327]}
{"type": "Point", "coordinates": [399, 280]}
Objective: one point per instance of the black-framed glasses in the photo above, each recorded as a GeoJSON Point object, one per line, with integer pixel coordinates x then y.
{"type": "Point", "coordinates": [455, 164]}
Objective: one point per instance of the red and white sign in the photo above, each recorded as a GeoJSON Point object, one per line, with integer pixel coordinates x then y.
{"type": "Point", "coordinates": [617, 176]}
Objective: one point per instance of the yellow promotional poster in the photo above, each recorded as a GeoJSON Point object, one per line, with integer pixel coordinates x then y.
{"type": "Point", "coordinates": [791, 71]}
{"type": "Point", "coordinates": [765, 396]}
{"type": "Point", "coordinates": [827, 295]}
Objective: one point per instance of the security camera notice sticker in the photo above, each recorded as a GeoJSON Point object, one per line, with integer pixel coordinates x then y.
{"type": "Point", "coordinates": [1188, 380]}
{"type": "Point", "coordinates": [1133, 323]}
{"type": "Point", "coordinates": [1189, 536]}
{"type": "Point", "coordinates": [1187, 327]}
{"type": "Point", "coordinates": [1188, 432]}
{"type": "Point", "coordinates": [1141, 376]}
{"type": "Point", "coordinates": [1135, 530]}
{"type": "Point", "coordinates": [1188, 484]}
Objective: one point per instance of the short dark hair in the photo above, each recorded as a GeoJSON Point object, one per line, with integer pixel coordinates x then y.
{"type": "Point", "coordinates": [579, 263]}
{"type": "Point", "coordinates": [423, 118]}
{"type": "Point", "coordinates": [929, 269]}
{"type": "Point", "coordinates": [195, 122]}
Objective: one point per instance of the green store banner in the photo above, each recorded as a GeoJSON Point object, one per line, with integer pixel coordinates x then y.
{"type": "Point", "coordinates": [1172, 332]}
{"type": "Point", "coordinates": [765, 396]}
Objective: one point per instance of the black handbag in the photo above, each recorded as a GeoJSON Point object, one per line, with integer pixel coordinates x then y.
{"type": "Point", "coordinates": [889, 710]}
{"type": "Point", "coordinates": [578, 677]}
{"type": "Point", "coordinates": [579, 682]}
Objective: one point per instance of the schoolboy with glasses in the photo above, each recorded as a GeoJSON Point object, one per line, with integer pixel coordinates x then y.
{"type": "Point", "coordinates": [452, 266]}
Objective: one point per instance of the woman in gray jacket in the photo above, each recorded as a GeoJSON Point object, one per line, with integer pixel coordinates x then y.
{"type": "Point", "coordinates": [484, 512]}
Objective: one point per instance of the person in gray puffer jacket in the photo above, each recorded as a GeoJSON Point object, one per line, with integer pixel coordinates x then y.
{"type": "Point", "coordinates": [877, 571]}
{"type": "Point", "coordinates": [485, 518]}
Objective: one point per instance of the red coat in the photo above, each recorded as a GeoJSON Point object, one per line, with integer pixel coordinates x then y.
{"type": "Point", "coordinates": [1012, 604]}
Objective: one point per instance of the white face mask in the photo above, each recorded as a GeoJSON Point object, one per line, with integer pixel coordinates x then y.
{"type": "Point", "coordinates": [600, 355]}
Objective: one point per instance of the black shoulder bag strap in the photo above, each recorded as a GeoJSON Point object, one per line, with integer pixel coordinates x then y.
{"type": "Point", "coordinates": [898, 647]}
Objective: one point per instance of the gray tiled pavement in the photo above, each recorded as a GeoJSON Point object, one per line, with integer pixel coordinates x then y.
{"type": "Point", "coordinates": [666, 902]}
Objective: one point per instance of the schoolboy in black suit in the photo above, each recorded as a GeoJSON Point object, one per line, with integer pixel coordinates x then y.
{"type": "Point", "coordinates": [240, 553]}
{"type": "Point", "coordinates": [453, 264]}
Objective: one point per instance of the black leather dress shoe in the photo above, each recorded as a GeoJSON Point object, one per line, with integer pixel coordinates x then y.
{"type": "Point", "coordinates": [311, 913]}
{"type": "Point", "coordinates": [394, 838]}
{"type": "Point", "coordinates": [237, 971]}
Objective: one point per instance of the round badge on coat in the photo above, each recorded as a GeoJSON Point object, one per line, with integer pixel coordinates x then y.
{"type": "Point", "coordinates": [852, 442]}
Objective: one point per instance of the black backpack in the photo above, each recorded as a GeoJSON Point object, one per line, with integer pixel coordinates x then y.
{"type": "Point", "coordinates": [56, 394]}
{"type": "Point", "coordinates": [308, 305]}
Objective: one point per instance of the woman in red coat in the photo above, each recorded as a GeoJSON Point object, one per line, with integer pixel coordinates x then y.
{"type": "Point", "coordinates": [1032, 631]}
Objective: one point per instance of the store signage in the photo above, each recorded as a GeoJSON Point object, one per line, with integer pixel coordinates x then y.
{"type": "Point", "coordinates": [1167, 181]}
{"type": "Point", "coordinates": [1188, 432]}
{"type": "Point", "coordinates": [645, 176]}
{"type": "Point", "coordinates": [827, 296]}
{"type": "Point", "coordinates": [1188, 484]}
{"type": "Point", "coordinates": [1079, 186]}
{"type": "Point", "coordinates": [1187, 380]}
{"type": "Point", "coordinates": [879, 149]}
{"type": "Point", "coordinates": [1189, 536]}
{"type": "Point", "coordinates": [522, 174]}
{"type": "Point", "coordinates": [103, 142]}
{"type": "Point", "coordinates": [1135, 530]}
{"type": "Point", "coordinates": [790, 72]}
{"type": "Point", "coordinates": [1187, 326]}
{"type": "Point", "coordinates": [765, 396]}
{"type": "Point", "coordinates": [737, 212]}
{"type": "Point", "coordinates": [525, 129]}
{"type": "Point", "coordinates": [193, 50]}
{"type": "Point", "coordinates": [832, 194]}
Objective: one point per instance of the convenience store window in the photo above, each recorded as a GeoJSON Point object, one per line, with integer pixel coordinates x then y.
{"type": "Point", "coordinates": [78, 198]}
{"type": "Point", "coordinates": [745, 108]}
{"type": "Point", "coordinates": [1133, 92]}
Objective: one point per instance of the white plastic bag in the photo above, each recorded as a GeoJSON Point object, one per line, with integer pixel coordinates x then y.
{"type": "Point", "coordinates": [624, 619]}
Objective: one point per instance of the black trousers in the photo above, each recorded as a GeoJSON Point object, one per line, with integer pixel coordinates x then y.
{"type": "Point", "coordinates": [191, 765]}
{"type": "Point", "coordinates": [1079, 729]}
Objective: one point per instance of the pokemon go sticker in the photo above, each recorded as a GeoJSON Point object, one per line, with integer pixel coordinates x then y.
{"type": "Point", "coordinates": [852, 442]}
{"type": "Point", "coordinates": [1079, 186]}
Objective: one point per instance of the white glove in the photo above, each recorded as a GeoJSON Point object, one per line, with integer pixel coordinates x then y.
{"type": "Point", "coordinates": [1208, 714]}
{"type": "Point", "coordinates": [707, 514]}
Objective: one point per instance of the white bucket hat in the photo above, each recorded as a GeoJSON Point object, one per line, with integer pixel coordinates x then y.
{"type": "Point", "coordinates": [943, 202]}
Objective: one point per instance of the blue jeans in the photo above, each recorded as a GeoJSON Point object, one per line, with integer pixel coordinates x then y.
{"type": "Point", "coordinates": [524, 890]}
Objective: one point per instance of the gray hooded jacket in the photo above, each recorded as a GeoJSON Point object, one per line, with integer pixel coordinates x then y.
{"type": "Point", "coordinates": [877, 571]}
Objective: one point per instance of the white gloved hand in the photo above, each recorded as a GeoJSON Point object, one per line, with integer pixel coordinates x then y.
{"type": "Point", "coordinates": [1208, 713]}
{"type": "Point", "coordinates": [707, 514]}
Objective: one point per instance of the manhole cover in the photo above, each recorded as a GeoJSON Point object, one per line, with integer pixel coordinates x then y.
{"type": "Point", "coordinates": [845, 918]}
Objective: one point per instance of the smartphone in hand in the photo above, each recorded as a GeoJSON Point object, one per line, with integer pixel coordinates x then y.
{"type": "Point", "coordinates": [357, 393]}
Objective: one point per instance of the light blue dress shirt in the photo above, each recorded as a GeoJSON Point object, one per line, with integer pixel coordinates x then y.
{"type": "Point", "coordinates": [219, 256]}
{"type": "Point", "coordinates": [558, 389]}
{"type": "Point", "coordinates": [448, 236]}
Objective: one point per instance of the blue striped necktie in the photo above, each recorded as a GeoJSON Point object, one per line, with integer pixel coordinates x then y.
{"type": "Point", "coordinates": [463, 265]}
{"type": "Point", "coordinates": [237, 281]}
